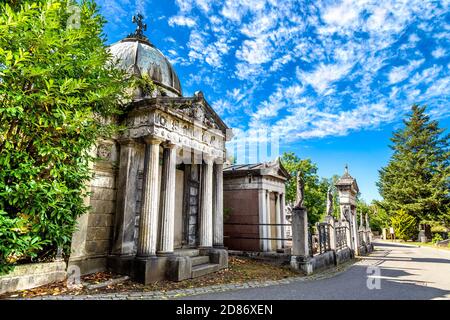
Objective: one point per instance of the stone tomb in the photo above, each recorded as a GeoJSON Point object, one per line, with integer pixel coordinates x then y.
{"type": "Point", "coordinates": [254, 197]}
{"type": "Point", "coordinates": [157, 194]}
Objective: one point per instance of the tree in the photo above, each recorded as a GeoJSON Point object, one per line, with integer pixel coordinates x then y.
{"type": "Point", "coordinates": [417, 177]}
{"type": "Point", "coordinates": [378, 217]}
{"type": "Point", "coordinates": [57, 87]}
{"type": "Point", "coordinates": [315, 188]}
{"type": "Point", "coordinates": [405, 225]}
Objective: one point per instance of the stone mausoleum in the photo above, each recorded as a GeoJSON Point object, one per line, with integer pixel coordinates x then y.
{"type": "Point", "coordinates": [348, 191]}
{"type": "Point", "coordinates": [157, 194]}
{"type": "Point", "coordinates": [254, 199]}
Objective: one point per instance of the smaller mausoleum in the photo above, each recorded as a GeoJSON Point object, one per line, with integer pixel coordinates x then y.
{"type": "Point", "coordinates": [254, 201]}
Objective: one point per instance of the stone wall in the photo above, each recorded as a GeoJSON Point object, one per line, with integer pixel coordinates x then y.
{"type": "Point", "coordinates": [91, 243]}
{"type": "Point", "coordinates": [29, 276]}
{"type": "Point", "coordinates": [242, 207]}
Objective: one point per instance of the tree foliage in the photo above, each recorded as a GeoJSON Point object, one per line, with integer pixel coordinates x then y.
{"type": "Point", "coordinates": [417, 177]}
{"type": "Point", "coordinates": [57, 87]}
{"type": "Point", "coordinates": [315, 188]}
{"type": "Point", "coordinates": [405, 225]}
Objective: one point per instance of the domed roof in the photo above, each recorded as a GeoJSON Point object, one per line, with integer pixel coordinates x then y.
{"type": "Point", "coordinates": [139, 56]}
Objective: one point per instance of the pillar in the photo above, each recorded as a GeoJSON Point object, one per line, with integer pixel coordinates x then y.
{"type": "Point", "coordinates": [166, 239]}
{"type": "Point", "coordinates": [218, 205]}
{"type": "Point", "coordinates": [300, 232]}
{"type": "Point", "coordinates": [262, 218]}
{"type": "Point", "coordinates": [332, 228]}
{"type": "Point", "coordinates": [283, 221]}
{"type": "Point", "coordinates": [278, 219]}
{"type": "Point", "coordinates": [354, 224]}
{"type": "Point", "coordinates": [206, 219]}
{"type": "Point", "coordinates": [268, 219]}
{"type": "Point", "coordinates": [124, 224]}
{"type": "Point", "coordinates": [148, 222]}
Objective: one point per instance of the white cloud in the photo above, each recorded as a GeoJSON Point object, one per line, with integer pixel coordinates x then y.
{"type": "Point", "coordinates": [400, 73]}
{"type": "Point", "coordinates": [182, 21]}
{"type": "Point", "coordinates": [439, 53]}
{"type": "Point", "coordinates": [256, 51]}
{"type": "Point", "coordinates": [315, 69]}
{"type": "Point", "coordinates": [323, 76]}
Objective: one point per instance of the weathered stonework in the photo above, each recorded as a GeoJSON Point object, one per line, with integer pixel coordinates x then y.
{"type": "Point", "coordinates": [254, 197]}
{"type": "Point", "coordinates": [29, 276]}
{"type": "Point", "coordinates": [156, 196]}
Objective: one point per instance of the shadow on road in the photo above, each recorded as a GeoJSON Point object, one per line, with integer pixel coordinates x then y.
{"type": "Point", "coordinates": [396, 245]}
{"type": "Point", "coordinates": [354, 284]}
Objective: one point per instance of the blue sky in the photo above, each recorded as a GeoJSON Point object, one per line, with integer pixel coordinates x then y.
{"type": "Point", "coordinates": [332, 78]}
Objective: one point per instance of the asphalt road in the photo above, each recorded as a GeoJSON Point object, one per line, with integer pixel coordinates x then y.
{"type": "Point", "coordinates": [393, 271]}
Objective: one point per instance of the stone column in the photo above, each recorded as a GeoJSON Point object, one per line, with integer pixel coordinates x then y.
{"type": "Point", "coordinates": [348, 234]}
{"type": "Point", "coordinates": [361, 227]}
{"type": "Point", "coordinates": [278, 220]}
{"type": "Point", "coordinates": [368, 230]}
{"type": "Point", "coordinates": [355, 231]}
{"type": "Point", "coordinates": [283, 220]}
{"type": "Point", "coordinates": [218, 205]}
{"type": "Point", "coordinates": [206, 219]}
{"type": "Point", "coordinates": [269, 220]}
{"type": "Point", "coordinates": [166, 239]}
{"type": "Point", "coordinates": [300, 259]}
{"type": "Point", "coordinates": [262, 218]}
{"type": "Point", "coordinates": [330, 220]}
{"type": "Point", "coordinates": [300, 233]}
{"type": "Point", "coordinates": [124, 224]}
{"type": "Point", "coordinates": [148, 222]}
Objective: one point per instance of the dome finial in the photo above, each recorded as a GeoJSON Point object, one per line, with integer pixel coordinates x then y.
{"type": "Point", "coordinates": [141, 27]}
{"type": "Point", "coordinates": [346, 168]}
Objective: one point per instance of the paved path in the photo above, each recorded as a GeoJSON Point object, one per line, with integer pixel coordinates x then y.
{"type": "Point", "coordinates": [399, 271]}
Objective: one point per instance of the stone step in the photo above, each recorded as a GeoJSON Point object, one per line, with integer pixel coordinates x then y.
{"type": "Point", "coordinates": [199, 260]}
{"type": "Point", "coordinates": [203, 269]}
{"type": "Point", "coordinates": [187, 252]}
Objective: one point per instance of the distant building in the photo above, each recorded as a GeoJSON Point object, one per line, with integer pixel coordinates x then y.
{"type": "Point", "coordinates": [254, 196]}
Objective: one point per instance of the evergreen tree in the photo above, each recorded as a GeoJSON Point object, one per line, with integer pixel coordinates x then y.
{"type": "Point", "coordinates": [417, 177]}
{"type": "Point", "coordinates": [315, 188]}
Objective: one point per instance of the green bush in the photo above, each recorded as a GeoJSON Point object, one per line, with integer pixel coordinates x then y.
{"type": "Point", "coordinates": [405, 226]}
{"type": "Point", "coordinates": [57, 86]}
{"type": "Point", "coordinates": [16, 241]}
{"type": "Point", "coordinates": [436, 238]}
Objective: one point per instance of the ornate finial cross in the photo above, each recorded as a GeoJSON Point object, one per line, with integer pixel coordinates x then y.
{"type": "Point", "coordinates": [141, 27]}
{"type": "Point", "coordinates": [346, 168]}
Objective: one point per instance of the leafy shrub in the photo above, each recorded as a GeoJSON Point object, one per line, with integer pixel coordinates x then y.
{"type": "Point", "coordinates": [16, 241]}
{"type": "Point", "coordinates": [57, 86]}
{"type": "Point", "coordinates": [436, 238]}
{"type": "Point", "coordinates": [405, 226]}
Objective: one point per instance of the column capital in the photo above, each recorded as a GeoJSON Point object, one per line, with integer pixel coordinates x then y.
{"type": "Point", "coordinates": [152, 140]}
{"type": "Point", "coordinates": [127, 141]}
{"type": "Point", "coordinates": [208, 159]}
{"type": "Point", "coordinates": [170, 145]}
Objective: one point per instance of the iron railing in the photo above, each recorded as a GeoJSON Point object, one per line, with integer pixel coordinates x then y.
{"type": "Point", "coordinates": [259, 225]}
{"type": "Point", "coordinates": [324, 237]}
{"type": "Point", "coordinates": [341, 238]}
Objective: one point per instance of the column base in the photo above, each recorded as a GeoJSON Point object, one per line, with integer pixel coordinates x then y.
{"type": "Point", "coordinates": [120, 264]}
{"type": "Point", "coordinates": [302, 263]}
{"type": "Point", "coordinates": [150, 269]}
